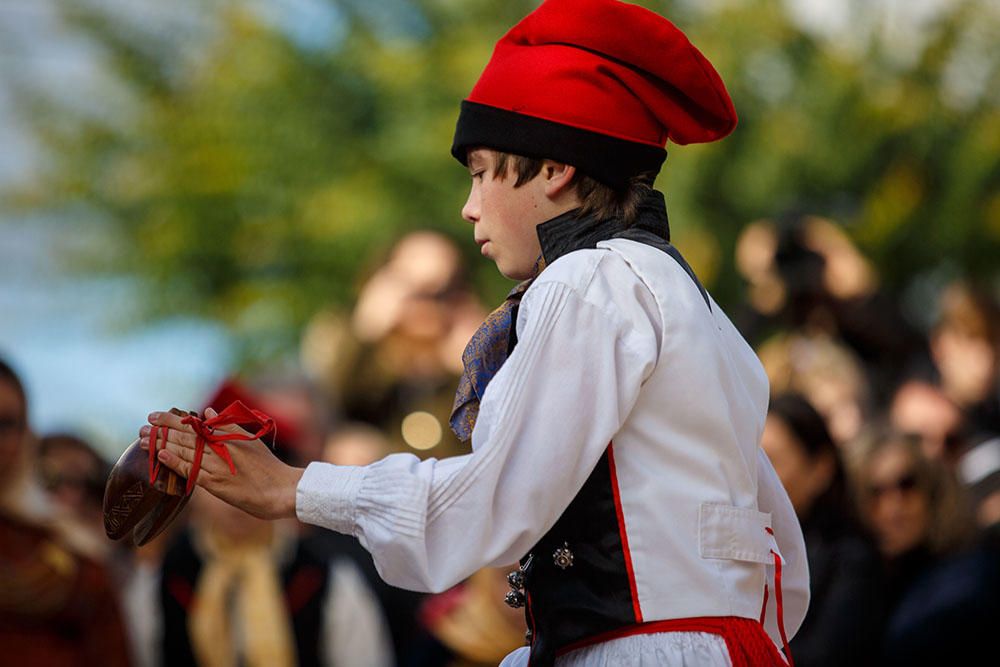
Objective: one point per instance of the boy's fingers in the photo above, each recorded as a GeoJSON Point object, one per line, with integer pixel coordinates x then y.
{"type": "Point", "coordinates": [169, 420]}
{"type": "Point", "coordinates": [174, 462]}
{"type": "Point", "coordinates": [183, 453]}
{"type": "Point", "coordinates": [185, 442]}
{"type": "Point", "coordinates": [179, 438]}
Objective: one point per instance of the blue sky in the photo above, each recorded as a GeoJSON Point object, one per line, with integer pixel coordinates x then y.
{"type": "Point", "coordinates": [85, 369]}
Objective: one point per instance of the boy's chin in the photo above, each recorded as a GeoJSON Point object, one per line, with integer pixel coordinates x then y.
{"type": "Point", "coordinates": [513, 273]}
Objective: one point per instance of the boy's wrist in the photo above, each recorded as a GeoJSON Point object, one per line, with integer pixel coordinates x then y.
{"type": "Point", "coordinates": [284, 503]}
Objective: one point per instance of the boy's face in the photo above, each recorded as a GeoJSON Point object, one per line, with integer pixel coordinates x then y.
{"type": "Point", "coordinates": [505, 217]}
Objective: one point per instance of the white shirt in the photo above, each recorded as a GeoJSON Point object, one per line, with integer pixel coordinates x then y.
{"type": "Point", "coordinates": [616, 344]}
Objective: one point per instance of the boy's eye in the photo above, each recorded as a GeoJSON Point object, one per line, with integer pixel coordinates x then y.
{"type": "Point", "coordinates": [477, 174]}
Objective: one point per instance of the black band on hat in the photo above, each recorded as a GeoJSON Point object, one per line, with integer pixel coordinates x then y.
{"type": "Point", "coordinates": [607, 159]}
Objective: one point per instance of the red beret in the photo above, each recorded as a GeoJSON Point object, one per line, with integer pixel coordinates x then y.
{"type": "Point", "coordinates": [599, 84]}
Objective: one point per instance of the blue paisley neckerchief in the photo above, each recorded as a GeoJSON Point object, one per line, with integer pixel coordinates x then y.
{"type": "Point", "coordinates": [486, 352]}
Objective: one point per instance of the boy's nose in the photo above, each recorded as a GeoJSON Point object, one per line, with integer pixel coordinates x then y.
{"type": "Point", "coordinates": [470, 212]}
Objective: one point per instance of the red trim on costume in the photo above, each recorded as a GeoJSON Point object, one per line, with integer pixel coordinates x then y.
{"type": "Point", "coordinates": [623, 533]}
{"type": "Point", "coordinates": [181, 591]}
{"type": "Point", "coordinates": [746, 641]}
{"type": "Point", "coordinates": [763, 607]}
{"type": "Point", "coordinates": [777, 599]}
{"type": "Point", "coordinates": [531, 616]}
{"type": "Point", "coordinates": [303, 586]}
{"type": "Point", "coordinates": [436, 607]}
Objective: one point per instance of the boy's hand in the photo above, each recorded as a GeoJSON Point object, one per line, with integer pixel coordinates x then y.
{"type": "Point", "coordinates": [262, 486]}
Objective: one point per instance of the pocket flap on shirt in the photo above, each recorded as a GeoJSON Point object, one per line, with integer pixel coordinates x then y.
{"type": "Point", "coordinates": [734, 533]}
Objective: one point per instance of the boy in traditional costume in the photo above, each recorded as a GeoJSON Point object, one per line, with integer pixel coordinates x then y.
{"type": "Point", "coordinates": [614, 411]}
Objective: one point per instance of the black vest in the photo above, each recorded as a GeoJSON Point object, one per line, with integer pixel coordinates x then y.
{"type": "Point", "coordinates": [576, 579]}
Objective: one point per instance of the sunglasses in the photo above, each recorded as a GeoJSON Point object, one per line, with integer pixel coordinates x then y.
{"type": "Point", "coordinates": [91, 485]}
{"type": "Point", "coordinates": [904, 484]}
{"type": "Point", "coordinates": [10, 425]}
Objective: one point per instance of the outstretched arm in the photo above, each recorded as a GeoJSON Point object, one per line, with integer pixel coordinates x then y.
{"type": "Point", "coordinates": [544, 422]}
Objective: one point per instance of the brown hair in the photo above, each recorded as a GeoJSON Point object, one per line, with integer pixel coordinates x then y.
{"type": "Point", "coordinates": [971, 310]}
{"type": "Point", "coordinates": [9, 377]}
{"type": "Point", "coordinates": [596, 198]}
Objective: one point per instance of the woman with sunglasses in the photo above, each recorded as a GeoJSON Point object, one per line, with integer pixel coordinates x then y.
{"type": "Point", "coordinates": [921, 523]}
{"type": "Point", "coordinates": [913, 508]}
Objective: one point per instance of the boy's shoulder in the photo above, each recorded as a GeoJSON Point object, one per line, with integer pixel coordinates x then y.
{"type": "Point", "coordinates": [621, 262]}
{"type": "Point", "coordinates": [602, 282]}
{"type": "Point", "coordinates": [626, 278]}
{"type": "Point", "coordinates": [604, 275]}
{"type": "Point", "coordinates": [578, 269]}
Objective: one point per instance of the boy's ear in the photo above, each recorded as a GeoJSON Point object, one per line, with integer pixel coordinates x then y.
{"type": "Point", "coordinates": [558, 176]}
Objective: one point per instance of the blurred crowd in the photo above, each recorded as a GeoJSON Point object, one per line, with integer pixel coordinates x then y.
{"type": "Point", "coordinates": [885, 432]}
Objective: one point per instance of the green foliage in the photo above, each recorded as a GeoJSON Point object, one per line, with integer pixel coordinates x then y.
{"type": "Point", "coordinates": [258, 176]}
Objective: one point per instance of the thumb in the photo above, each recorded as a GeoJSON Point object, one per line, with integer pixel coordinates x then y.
{"type": "Point", "coordinates": [209, 413]}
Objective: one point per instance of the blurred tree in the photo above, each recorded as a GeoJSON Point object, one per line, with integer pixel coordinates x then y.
{"type": "Point", "coordinates": [899, 142]}
{"type": "Point", "coordinates": [262, 166]}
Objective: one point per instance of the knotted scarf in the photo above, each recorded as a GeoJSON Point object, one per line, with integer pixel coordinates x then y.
{"type": "Point", "coordinates": [240, 616]}
{"type": "Point", "coordinates": [485, 353]}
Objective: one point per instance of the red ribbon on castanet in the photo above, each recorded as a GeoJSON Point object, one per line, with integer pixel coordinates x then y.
{"type": "Point", "coordinates": [205, 434]}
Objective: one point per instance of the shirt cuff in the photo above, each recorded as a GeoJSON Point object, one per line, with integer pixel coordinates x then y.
{"type": "Point", "coordinates": [327, 496]}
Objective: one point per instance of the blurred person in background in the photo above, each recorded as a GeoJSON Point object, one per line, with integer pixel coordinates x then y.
{"type": "Point", "coordinates": [73, 474]}
{"type": "Point", "coordinates": [846, 614]}
{"type": "Point", "coordinates": [301, 409]}
{"type": "Point", "coordinates": [912, 508]}
{"type": "Point", "coordinates": [951, 614]}
{"type": "Point", "coordinates": [922, 409]}
{"type": "Point", "coordinates": [359, 444]}
{"type": "Point", "coordinates": [964, 347]}
{"type": "Point", "coordinates": [827, 374]}
{"type": "Point", "coordinates": [57, 605]}
{"type": "Point", "coordinates": [355, 444]}
{"type": "Point", "coordinates": [923, 528]}
{"type": "Point", "coordinates": [240, 590]}
{"type": "Point", "coordinates": [412, 319]}
{"type": "Point", "coordinates": [469, 625]}
{"type": "Point", "coordinates": [804, 274]}
{"type": "Point", "coordinates": [140, 595]}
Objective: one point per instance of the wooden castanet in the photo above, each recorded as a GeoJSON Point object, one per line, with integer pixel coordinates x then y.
{"type": "Point", "coordinates": [134, 507]}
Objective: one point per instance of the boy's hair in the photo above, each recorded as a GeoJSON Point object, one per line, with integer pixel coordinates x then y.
{"type": "Point", "coordinates": [596, 198]}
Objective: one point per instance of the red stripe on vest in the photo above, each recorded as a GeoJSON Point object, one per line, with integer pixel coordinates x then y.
{"type": "Point", "coordinates": [623, 533]}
